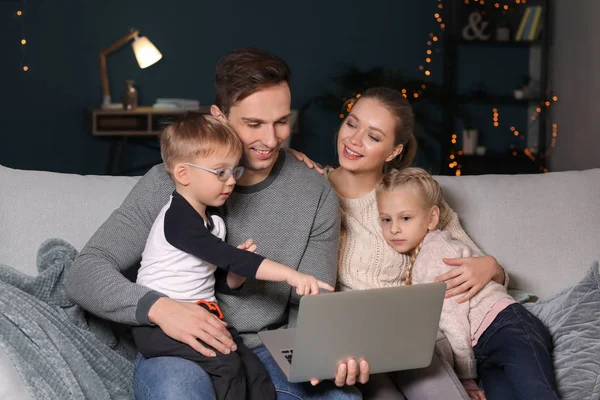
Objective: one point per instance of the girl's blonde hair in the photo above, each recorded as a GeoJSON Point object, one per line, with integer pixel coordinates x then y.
{"type": "Point", "coordinates": [196, 135]}
{"type": "Point", "coordinates": [428, 190]}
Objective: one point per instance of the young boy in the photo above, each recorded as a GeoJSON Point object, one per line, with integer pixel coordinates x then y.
{"type": "Point", "coordinates": [186, 246]}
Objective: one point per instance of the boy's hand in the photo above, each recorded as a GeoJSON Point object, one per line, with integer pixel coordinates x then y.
{"type": "Point", "coordinates": [248, 245]}
{"type": "Point", "coordinates": [234, 281]}
{"type": "Point", "coordinates": [306, 284]}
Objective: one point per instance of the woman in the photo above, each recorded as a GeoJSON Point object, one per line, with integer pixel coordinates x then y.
{"type": "Point", "coordinates": [376, 135]}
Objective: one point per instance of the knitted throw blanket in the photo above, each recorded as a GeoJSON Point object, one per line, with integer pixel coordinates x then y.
{"type": "Point", "coordinates": [60, 351]}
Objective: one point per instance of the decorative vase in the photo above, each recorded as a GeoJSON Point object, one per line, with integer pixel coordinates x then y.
{"type": "Point", "coordinates": [130, 96]}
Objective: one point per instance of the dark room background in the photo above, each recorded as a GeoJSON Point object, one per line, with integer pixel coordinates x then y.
{"type": "Point", "coordinates": [43, 124]}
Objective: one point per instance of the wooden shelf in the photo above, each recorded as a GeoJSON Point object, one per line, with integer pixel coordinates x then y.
{"type": "Point", "coordinates": [498, 163]}
{"type": "Point", "coordinates": [495, 99]}
{"type": "Point", "coordinates": [142, 121]}
{"type": "Point", "coordinates": [497, 43]}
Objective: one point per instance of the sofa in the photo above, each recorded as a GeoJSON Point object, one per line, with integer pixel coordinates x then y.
{"type": "Point", "coordinates": [545, 229]}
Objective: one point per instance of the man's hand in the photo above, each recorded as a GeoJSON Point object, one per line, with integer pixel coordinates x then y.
{"type": "Point", "coordinates": [187, 322]}
{"type": "Point", "coordinates": [303, 157]}
{"type": "Point", "coordinates": [306, 284]}
{"type": "Point", "coordinates": [470, 275]}
{"type": "Point", "coordinates": [349, 373]}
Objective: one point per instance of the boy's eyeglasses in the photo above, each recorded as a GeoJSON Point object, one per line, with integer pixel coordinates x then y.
{"type": "Point", "coordinates": [223, 174]}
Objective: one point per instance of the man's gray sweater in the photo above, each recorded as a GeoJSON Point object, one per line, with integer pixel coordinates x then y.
{"type": "Point", "coordinates": [293, 217]}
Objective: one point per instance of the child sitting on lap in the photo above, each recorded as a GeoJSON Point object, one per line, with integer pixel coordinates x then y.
{"type": "Point", "coordinates": [186, 245]}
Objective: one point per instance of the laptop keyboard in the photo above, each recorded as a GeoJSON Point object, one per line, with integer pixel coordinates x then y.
{"type": "Point", "coordinates": [288, 355]}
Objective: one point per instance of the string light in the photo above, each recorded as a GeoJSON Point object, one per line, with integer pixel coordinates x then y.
{"type": "Point", "coordinates": [495, 117]}
{"type": "Point", "coordinates": [23, 41]}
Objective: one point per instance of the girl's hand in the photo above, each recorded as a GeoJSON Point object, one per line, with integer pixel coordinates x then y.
{"type": "Point", "coordinates": [303, 157]}
{"type": "Point", "coordinates": [306, 284]}
{"type": "Point", "coordinates": [476, 394]}
{"type": "Point", "coordinates": [473, 391]}
{"type": "Point", "coordinates": [470, 275]}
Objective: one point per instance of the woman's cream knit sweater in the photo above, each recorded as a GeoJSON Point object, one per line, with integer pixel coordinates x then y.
{"type": "Point", "coordinates": [366, 261]}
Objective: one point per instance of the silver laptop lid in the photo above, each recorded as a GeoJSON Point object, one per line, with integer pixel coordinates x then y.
{"type": "Point", "coordinates": [392, 328]}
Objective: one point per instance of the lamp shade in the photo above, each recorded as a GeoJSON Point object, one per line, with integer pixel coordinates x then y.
{"type": "Point", "coordinates": [145, 52]}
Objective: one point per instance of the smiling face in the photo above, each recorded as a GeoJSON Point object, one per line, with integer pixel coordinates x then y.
{"type": "Point", "coordinates": [262, 122]}
{"type": "Point", "coordinates": [404, 217]}
{"type": "Point", "coordinates": [366, 140]}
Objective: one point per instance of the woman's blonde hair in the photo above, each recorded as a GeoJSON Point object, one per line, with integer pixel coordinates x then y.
{"type": "Point", "coordinates": [196, 135]}
{"type": "Point", "coordinates": [428, 190]}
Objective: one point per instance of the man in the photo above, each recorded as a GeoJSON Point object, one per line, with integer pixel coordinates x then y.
{"type": "Point", "coordinates": [291, 213]}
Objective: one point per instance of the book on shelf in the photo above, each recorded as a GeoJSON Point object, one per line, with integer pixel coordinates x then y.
{"type": "Point", "coordinates": [177, 104]}
{"type": "Point", "coordinates": [530, 25]}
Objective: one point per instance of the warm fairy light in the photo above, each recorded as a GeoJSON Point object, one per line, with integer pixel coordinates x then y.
{"type": "Point", "coordinates": [538, 110]}
{"type": "Point", "coordinates": [25, 68]}
{"type": "Point", "coordinates": [403, 90]}
{"type": "Point", "coordinates": [442, 26]}
{"type": "Point", "coordinates": [416, 95]}
{"type": "Point", "coordinates": [19, 13]}
{"type": "Point", "coordinates": [452, 156]}
{"type": "Point", "coordinates": [23, 41]}
{"type": "Point", "coordinates": [497, 5]}
{"type": "Point", "coordinates": [516, 133]}
{"type": "Point", "coordinates": [428, 60]}
{"type": "Point", "coordinates": [547, 104]}
{"type": "Point", "coordinates": [428, 51]}
{"type": "Point", "coordinates": [423, 86]}
{"type": "Point", "coordinates": [341, 115]}
{"type": "Point", "coordinates": [440, 6]}
{"type": "Point", "coordinates": [505, 7]}
{"type": "Point", "coordinates": [555, 98]}
{"type": "Point", "coordinates": [458, 172]}
{"type": "Point", "coordinates": [512, 128]}
{"type": "Point", "coordinates": [421, 67]}
{"type": "Point", "coordinates": [429, 43]}
{"type": "Point", "coordinates": [435, 38]}
{"type": "Point", "coordinates": [514, 153]}
{"type": "Point", "coordinates": [439, 20]}
{"type": "Point", "coordinates": [427, 73]}
{"type": "Point", "coordinates": [436, 15]}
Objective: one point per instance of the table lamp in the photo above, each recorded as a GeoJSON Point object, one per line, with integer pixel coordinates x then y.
{"type": "Point", "coordinates": [145, 53]}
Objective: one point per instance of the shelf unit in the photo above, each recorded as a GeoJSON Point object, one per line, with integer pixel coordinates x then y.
{"type": "Point", "coordinates": [453, 43]}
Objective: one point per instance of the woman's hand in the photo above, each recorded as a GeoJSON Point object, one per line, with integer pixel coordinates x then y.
{"type": "Point", "coordinates": [470, 275]}
{"type": "Point", "coordinates": [349, 373]}
{"type": "Point", "coordinates": [303, 157]}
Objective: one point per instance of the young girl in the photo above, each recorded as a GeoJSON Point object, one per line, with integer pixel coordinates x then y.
{"type": "Point", "coordinates": [491, 335]}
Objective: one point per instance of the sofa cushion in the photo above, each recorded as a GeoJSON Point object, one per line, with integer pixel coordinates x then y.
{"type": "Point", "coordinates": [35, 206]}
{"type": "Point", "coordinates": [573, 318]}
{"type": "Point", "coordinates": [542, 228]}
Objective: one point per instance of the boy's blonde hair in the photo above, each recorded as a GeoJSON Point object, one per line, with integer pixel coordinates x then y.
{"type": "Point", "coordinates": [196, 135]}
{"type": "Point", "coordinates": [427, 189]}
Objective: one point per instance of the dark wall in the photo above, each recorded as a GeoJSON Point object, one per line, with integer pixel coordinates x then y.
{"type": "Point", "coordinates": [42, 124]}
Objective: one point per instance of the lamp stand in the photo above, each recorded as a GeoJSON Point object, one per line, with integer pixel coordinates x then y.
{"type": "Point", "coordinates": [106, 99]}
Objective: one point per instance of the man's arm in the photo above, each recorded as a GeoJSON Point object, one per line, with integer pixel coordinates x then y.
{"type": "Point", "coordinates": [320, 256]}
{"type": "Point", "coordinates": [96, 280]}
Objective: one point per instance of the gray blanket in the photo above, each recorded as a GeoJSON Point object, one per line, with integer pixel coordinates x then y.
{"type": "Point", "coordinates": [60, 351]}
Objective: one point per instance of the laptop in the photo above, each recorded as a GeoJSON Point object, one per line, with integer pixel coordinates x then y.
{"type": "Point", "coordinates": [392, 328]}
